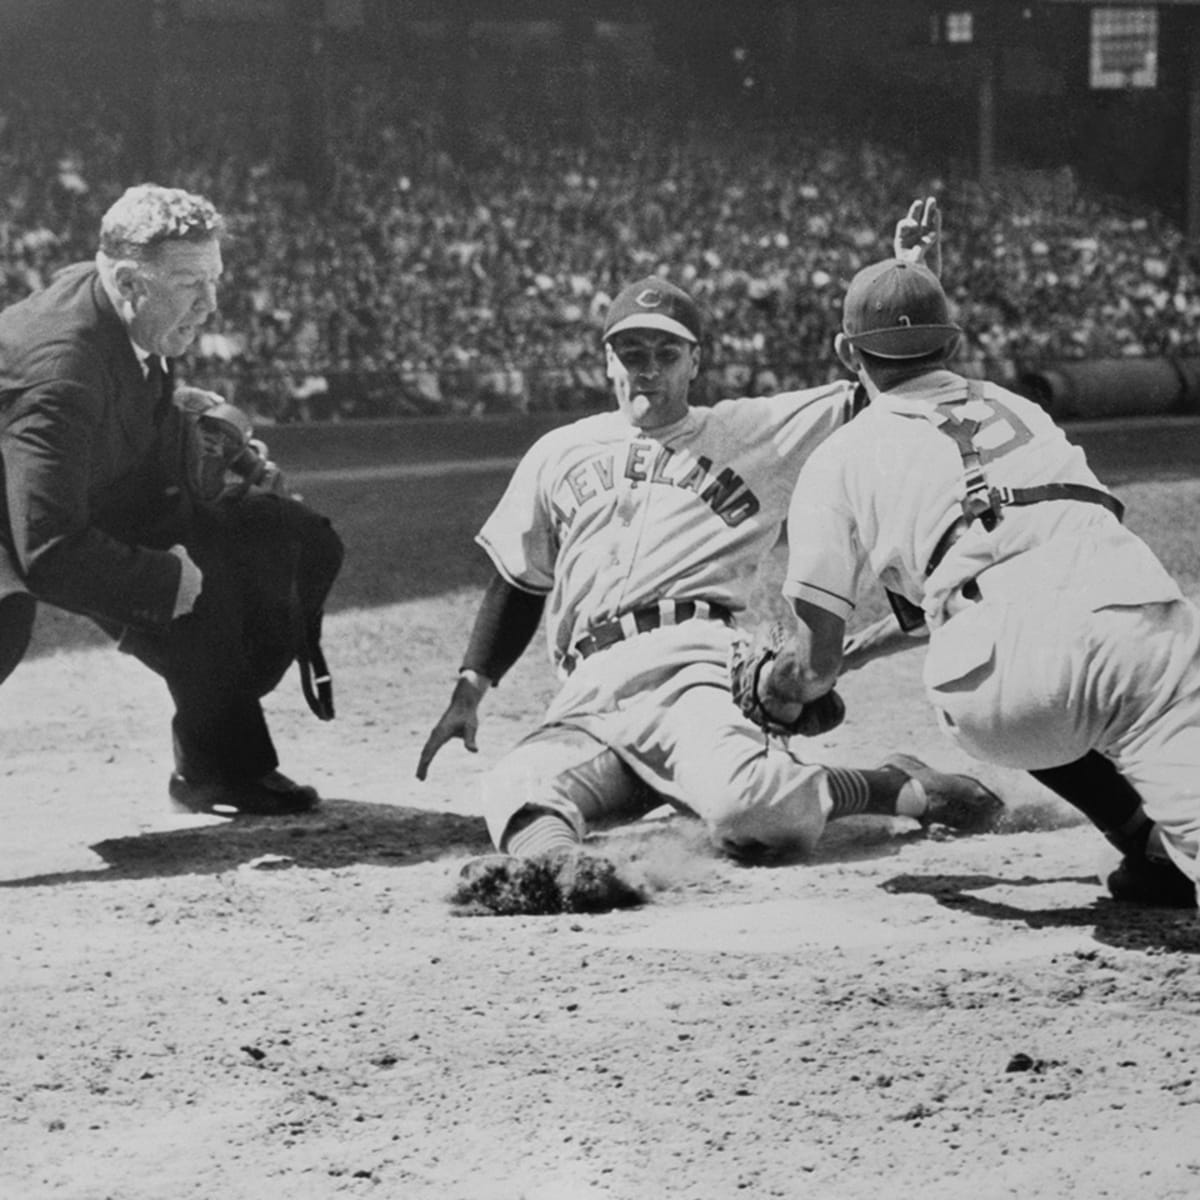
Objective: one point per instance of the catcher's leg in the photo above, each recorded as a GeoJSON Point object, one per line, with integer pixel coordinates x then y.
{"type": "Point", "coordinates": [1115, 696]}
{"type": "Point", "coordinates": [1094, 786]}
{"type": "Point", "coordinates": [1162, 762]}
{"type": "Point", "coordinates": [1165, 868]}
{"type": "Point", "coordinates": [554, 786]}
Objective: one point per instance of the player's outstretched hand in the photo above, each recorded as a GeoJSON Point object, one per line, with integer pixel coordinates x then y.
{"type": "Point", "coordinates": [918, 232]}
{"type": "Point", "coordinates": [460, 720]}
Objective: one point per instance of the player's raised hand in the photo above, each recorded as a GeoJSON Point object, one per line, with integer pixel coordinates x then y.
{"type": "Point", "coordinates": [919, 232]}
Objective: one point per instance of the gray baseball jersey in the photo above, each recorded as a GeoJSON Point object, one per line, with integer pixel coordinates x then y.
{"type": "Point", "coordinates": [605, 519]}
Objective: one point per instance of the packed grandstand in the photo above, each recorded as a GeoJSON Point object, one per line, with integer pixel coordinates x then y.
{"type": "Point", "coordinates": [420, 284]}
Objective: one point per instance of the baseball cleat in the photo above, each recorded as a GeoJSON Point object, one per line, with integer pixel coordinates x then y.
{"type": "Point", "coordinates": [1139, 879]}
{"type": "Point", "coordinates": [564, 881]}
{"type": "Point", "coordinates": [956, 801]}
{"type": "Point", "coordinates": [506, 886]}
{"type": "Point", "coordinates": [271, 795]}
{"type": "Point", "coordinates": [591, 883]}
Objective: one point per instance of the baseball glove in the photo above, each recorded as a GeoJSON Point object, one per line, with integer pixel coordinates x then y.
{"type": "Point", "coordinates": [215, 455]}
{"type": "Point", "coordinates": [746, 664]}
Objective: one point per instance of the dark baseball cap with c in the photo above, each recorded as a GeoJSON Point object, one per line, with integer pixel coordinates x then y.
{"type": "Point", "coordinates": [896, 309]}
{"type": "Point", "coordinates": [653, 303]}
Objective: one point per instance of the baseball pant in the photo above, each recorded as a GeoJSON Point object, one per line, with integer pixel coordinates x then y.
{"type": "Point", "coordinates": [219, 660]}
{"type": "Point", "coordinates": [668, 733]}
{"type": "Point", "coordinates": [1041, 682]}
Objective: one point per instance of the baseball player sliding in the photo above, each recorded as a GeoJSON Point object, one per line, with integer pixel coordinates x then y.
{"type": "Point", "coordinates": [1057, 641]}
{"type": "Point", "coordinates": [638, 533]}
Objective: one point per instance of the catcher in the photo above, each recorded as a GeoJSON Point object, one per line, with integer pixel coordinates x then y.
{"type": "Point", "coordinates": [636, 534]}
{"type": "Point", "coordinates": [153, 511]}
{"type": "Point", "coordinates": [1058, 643]}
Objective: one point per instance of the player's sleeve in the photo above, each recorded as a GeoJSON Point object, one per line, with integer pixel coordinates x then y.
{"type": "Point", "coordinates": [520, 536]}
{"type": "Point", "coordinates": [825, 558]}
{"type": "Point", "coordinates": [812, 416]}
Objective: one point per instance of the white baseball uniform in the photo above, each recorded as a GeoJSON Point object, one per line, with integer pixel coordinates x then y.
{"type": "Point", "coordinates": [609, 521]}
{"type": "Point", "coordinates": [1056, 633]}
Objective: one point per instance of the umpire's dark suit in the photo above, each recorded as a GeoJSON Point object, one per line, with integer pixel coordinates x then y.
{"type": "Point", "coordinates": [87, 513]}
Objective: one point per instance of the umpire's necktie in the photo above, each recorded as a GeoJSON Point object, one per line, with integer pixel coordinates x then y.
{"type": "Point", "coordinates": [158, 378]}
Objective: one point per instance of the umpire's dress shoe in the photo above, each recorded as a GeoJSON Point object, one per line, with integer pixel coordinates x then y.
{"type": "Point", "coordinates": [271, 795]}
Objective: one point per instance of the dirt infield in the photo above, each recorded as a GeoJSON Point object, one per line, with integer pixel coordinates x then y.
{"type": "Point", "coordinates": [199, 1009]}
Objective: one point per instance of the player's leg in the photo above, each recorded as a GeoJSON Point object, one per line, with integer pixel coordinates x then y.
{"type": "Point", "coordinates": [1071, 687]}
{"type": "Point", "coordinates": [554, 786]}
{"type": "Point", "coordinates": [1159, 750]}
{"type": "Point", "coordinates": [1145, 872]}
{"type": "Point", "coordinates": [1006, 683]}
{"type": "Point", "coordinates": [1166, 770]}
{"type": "Point", "coordinates": [1094, 786]}
{"type": "Point", "coordinates": [539, 802]}
{"type": "Point", "coordinates": [1010, 686]}
{"type": "Point", "coordinates": [759, 800]}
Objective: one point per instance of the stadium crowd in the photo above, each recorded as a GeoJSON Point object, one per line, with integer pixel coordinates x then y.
{"type": "Point", "coordinates": [417, 283]}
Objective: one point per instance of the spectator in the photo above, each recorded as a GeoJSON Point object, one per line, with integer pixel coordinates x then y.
{"type": "Point", "coordinates": [414, 258]}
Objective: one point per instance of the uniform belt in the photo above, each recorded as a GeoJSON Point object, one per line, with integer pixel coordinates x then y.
{"type": "Point", "coordinates": [642, 620]}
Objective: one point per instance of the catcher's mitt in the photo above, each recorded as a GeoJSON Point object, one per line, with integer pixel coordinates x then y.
{"type": "Point", "coordinates": [746, 664]}
{"type": "Point", "coordinates": [214, 454]}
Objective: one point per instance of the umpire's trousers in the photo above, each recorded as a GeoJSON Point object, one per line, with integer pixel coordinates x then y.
{"type": "Point", "coordinates": [260, 557]}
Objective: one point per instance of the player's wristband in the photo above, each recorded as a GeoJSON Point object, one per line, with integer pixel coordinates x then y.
{"type": "Point", "coordinates": [479, 682]}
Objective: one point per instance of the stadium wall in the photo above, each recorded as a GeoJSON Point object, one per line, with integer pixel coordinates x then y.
{"type": "Point", "coordinates": [876, 63]}
{"type": "Point", "coordinates": [430, 444]}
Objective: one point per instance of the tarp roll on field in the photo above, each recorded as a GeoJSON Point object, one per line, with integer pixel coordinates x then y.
{"type": "Point", "coordinates": [1116, 387]}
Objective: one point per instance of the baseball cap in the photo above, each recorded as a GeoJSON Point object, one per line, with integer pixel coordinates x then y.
{"type": "Point", "coordinates": [653, 303]}
{"type": "Point", "coordinates": [896, 309]}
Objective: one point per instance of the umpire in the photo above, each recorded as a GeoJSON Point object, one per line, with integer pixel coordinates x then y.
{"type": "Point", "coordinates": [96, 515]}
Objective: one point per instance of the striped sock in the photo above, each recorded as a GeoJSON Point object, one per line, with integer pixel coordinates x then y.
{"type": "Point", "coordinates": [850, 791]}
{"type": "Point", "coordinates": [540, 834]}
{"type": "Point", "coordinates": [886, 792]}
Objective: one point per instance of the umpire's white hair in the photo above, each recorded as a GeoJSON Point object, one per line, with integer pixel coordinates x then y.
{"type": "Point", "coordinates": [147, 215]}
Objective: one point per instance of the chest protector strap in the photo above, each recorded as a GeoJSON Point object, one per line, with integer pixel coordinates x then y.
{"type": "Point", "coordinates": [979, 502]}
{"type": "Point", "coordinates": [984, 503]}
